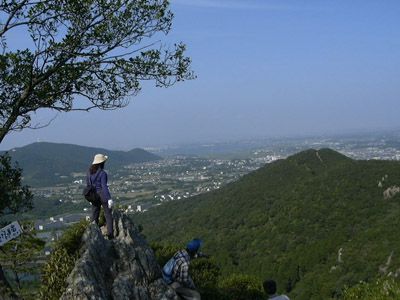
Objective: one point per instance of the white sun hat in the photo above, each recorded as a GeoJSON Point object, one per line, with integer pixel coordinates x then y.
{"type": "Point", "coordinates": [99, 158]}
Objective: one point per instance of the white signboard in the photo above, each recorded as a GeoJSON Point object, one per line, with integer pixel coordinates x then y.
{"type": "Point", "coordinates": [9, 232]}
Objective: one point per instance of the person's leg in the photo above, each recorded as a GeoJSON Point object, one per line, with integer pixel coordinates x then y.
{"type": "Point", "coordinates": [109, 220]}
{"type": "Point", "coordinates": [95, 213]}
{"type": "Point", "coordinates": [186, 293]}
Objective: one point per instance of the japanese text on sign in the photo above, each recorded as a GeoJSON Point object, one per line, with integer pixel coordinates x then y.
{"type": "Point", "coordinates": [9, 232]}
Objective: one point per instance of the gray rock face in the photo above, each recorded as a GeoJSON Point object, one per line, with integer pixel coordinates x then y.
{"type": "Point", "coordinates": [123, 268]}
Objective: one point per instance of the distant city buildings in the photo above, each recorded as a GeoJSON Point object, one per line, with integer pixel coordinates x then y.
{"type": "Point", "coordinates": [138, 187]}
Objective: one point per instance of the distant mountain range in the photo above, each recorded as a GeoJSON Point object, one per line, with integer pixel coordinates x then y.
{"type": "Point", "coordinates": [46, 164]}
{"type": "Point", "coordinates": [316, 222]}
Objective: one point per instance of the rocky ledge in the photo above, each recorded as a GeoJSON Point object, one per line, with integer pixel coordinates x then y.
{"type": "Point", "coordinates": [122, 268]}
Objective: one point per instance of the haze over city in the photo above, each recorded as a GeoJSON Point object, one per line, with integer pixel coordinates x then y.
{"type": "Point", "coordinates": [264, 68]}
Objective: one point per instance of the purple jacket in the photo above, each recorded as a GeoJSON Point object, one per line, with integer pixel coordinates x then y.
{"type": "Point", "coordinates": [99, 180]}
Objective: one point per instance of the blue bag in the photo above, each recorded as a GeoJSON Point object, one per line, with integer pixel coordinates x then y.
{"type": "Point", "coordinates": [167, 270]}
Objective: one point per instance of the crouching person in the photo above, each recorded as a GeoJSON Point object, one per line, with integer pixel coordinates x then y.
{"type": "Point", "coordinates": [176, 271]}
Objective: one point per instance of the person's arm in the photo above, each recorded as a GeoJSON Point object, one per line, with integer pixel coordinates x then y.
{"type": "Point", "coordinates": [104, 186]}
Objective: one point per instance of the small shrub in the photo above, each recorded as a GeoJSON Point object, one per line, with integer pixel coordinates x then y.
{"type": "Point", "coordinates": [61, 262]}
{"type": "Point", "coordinates": [71, 240]}
{"type": "Point", "coordinates": [241, 287]}
{"type": "Point", "coordinates": [206, 273]}
{"type": "Point", "coordinates": [163, 252]}
{"type": "Point", "coordinates": [55, 273]}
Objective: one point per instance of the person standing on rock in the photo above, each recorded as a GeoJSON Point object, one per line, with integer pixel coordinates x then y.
{"type": "Point", "coordinates": [180, 279]}
{"type": "Point", "coordinates": [98, 178]}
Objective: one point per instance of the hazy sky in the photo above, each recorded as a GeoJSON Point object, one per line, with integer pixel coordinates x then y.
{"type": "Point", "coordinates": [265, 68]}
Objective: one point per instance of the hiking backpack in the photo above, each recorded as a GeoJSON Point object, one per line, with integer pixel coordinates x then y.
{"type": "Point", "coordinates": [167, 270]}
{"type": "Point", "coordinates": [90, 192]}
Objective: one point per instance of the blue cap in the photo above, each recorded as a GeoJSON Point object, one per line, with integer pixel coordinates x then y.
{"type": "Point", "coordinates": [194, 245]}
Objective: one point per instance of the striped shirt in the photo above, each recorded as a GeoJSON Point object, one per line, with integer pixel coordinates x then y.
{"type": "Point", "coordinates": [180, 273]}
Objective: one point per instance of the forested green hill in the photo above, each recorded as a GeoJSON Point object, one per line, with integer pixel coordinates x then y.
{"type": "Point", "coordinates": [46, 164]}
{"type": "Point", "coordinates": [316, 222]}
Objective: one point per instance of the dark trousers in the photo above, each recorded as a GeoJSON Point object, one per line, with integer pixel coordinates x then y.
{"type": "Point", "coordinates": [107, 213]}
{"type": "Point", "coordinates": [185, 293]}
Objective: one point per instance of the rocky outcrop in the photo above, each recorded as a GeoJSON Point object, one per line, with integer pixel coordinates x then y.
{"type": "Point", "coordinates": [391, 192]}
{"type": "Point", "coordinates": [123, 268]}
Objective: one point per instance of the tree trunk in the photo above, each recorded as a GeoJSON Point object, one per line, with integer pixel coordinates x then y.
{"type": "Point", "coordinates": [15, 113]}
{"type": "Point", "coordinates": [3, 133]}
{"type": "Point", "coordinates": [6, 293]}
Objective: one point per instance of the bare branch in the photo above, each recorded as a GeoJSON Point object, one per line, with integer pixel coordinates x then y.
{"type": "Point", "coordinates": [39, 126]}
{"type": "Point", "coordinates": [11, 16]}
